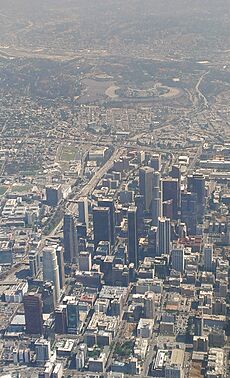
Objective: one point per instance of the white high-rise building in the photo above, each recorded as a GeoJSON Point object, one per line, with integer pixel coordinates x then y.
{"type": "Point", "coordinates": [51, 269]}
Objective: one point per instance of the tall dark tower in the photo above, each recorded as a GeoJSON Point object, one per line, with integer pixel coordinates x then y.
{"type": "Point", "coordinates": [196, 184]}
{"type": "Point", "coordinates": [171, 191]}
{"type": "Point", "coordinates": [33, 313]}
{"type": "Point", "coordinates": [145, 185]}
{"type": "Point", "coordinates": [109, 202]}
{"type": "Point", "coordinates": [60, 261]}
{"type": "Point", "coordinates": [101, 225]}
{"type": "Point", "coordinates": [70, 239]}
{"type": "Point", "coordinates": [176, 173]}
{"type": "Point", "coordinates": [164, 236]}
{"type": "Point", "coordinates": [132, 236]}
{"type": "Point", "coordinates": [155, 162]}
{"type": "Point", "coordinates": [139, 203]}
{"type": "Point", "coordinates": [198, 325]}
{"type": "Point", "coordinates": [156, 198]}
{"type": "Point", "coordinates": [189, 211]}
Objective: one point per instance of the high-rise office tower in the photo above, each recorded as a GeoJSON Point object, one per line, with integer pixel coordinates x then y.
{"type": "Point", "coordinates": [101, 225]}
{"type": "Point", "coordinates": [167, 209]}
{"type": "Point", "coordinates": [141, 156]}
{"type": "Point", "coordinates": [145, 185]}
{"type": "Point", "coordinates": [156, 198]}
{"type": "Point", "coordinates": [81, 234]}
{"type": "Point", "coordinates": [139, 203]}
{"type": "Point", "coordinates": [208, 257]}
{"type": "Point", "coordinates": [156, 206]}
{"type": "Point", "coordinates": [109, 202]}
{"type": "Point", "coordinates": [182, 230]}
{"type": "Point", "coordinates": [60, 261]}
{"type": "Point", "coordinates": [152, 242]}
{"type": "Point", "coordinates": [171, 191]}
{"type": "Point", "coordinates": [72, 316]}
{"type": "Point", "coordinates": [164, 236]}
{"type": "Point", "coordinates": [83, 213]}
{"type": "Point", "coordinates": [126, 196]}
{"type": "Point", "coordinates": [85, 261]}
{"type": "Point", "coordinates": [34, 261]}
{"type": "Point", "coordinates": [53, 195]}
{"type": "Point", "coordinates": [155, 162]}
{"type": "Point", "coordinates": [156, 180]}
{"type": "Point", "coordinates": [51, 269]}
{"type": "Point", "coordinates": [177, 259]}
{"type": "Point", "coordinates": [176, 172]}
{"type": "Point", "coordinates": [121, 254]}
{"type": "Point", "coordinates": [199, 325]}
{"type": "Point", "coordinates": [42, 350]}
{"type": "Point", "coordinates": [33, 313]}
{"type": "Point", "coordinates": [149, 304]}
{"type": "Point", "coordinates": [70, 239]}
{"type": "Point", "coordinates": [189, 211]}
{"type": "Point", "coordinates": [132, 236]}
{"type": "Point", "coordinates": [196, 184]}
{"type": "Point", "coordinates": [61, 319]}
{"type": "Point", "coordinates": [48, 297]}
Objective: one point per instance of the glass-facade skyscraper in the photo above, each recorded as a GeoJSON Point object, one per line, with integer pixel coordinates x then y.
{"type": "Point", "coordinates": [101, 225]}
{"type": "Point", "coordinates": [70, 239]}
{"type": "Point", "coordinates": [133, 256]}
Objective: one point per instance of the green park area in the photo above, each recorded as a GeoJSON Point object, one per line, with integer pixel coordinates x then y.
{"type": "Point", "coordinates": [68, 153]}
{"type": "Point", "coordinates": [30, 173]}
{"type": "Point", "coordinates": [21, 188]}
{"type": "Point", "coordinates": [124, 349]}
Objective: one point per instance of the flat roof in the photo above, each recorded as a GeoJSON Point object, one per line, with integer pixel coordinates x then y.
{"type": "Point", "coordinates": [18, 319]}
{"type": "Point", "coordinates": [177, 357]}
{"type": "Point", "coordinates": [160, 358]}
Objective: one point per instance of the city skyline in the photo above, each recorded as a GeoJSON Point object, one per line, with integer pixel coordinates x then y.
{"type": "Point", "coordinates": [114, 189]}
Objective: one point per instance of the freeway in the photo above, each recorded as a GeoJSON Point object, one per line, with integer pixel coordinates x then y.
{"type": "Point", "coordinates": [69, 205]}
{"type": "Point", "coordinates": [195, 159]}
{"type": "Point", "coordinates": [100, 173]}
{"type": "Point", "coordinates": [199, 93]}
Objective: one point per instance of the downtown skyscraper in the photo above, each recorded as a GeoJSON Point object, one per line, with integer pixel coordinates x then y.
{"type": "Point", "coordinates": [196, 184]}
{"type": "Point", "coordinates": [133, 256]}
{"type": "Point", "coordinates": [33, 313]}
{"type": "Point", "coordinates": [164, 236]}
{"type": "Point", "coordinates": [70, 239]}
{"type": "Point", "coordinates": [146, 185]}
{"type": "Point", "coordinates": [101, 225]}
{"type": "Point", "coordinates": [156, 198]}
{"type": "Point", "coordinates": [109, 202]}
{"type": "Point", "coordinates": [51, 269]}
